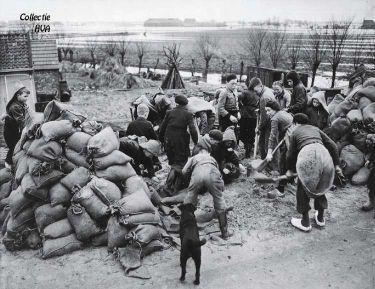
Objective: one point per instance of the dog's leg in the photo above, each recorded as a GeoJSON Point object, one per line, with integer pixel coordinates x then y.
{"type": "Point", "coordinates": [197, 261]}
{"type": "Point", "coordinates": [183, 260]}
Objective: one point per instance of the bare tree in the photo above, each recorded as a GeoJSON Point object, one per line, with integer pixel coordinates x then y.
{"type": "Point", "coordinates": [207, 48]}
{"type": "Point", "coordinates": [172, 53]}
{"type": "Point", "coordinates": [92, 47]}
{"type": "Point", "coordinates": [358, 51]}
{"type": "Point", "coordinates": [338, 34]}
{"type": "Point", "coordinates": [109, 48]}
{"type": "Point", "coordinates": [293, 49]}
{"type": "Point", "coordinates": [275, 46]}
{"type": "Point", "coordinates": [123, 48]}
{"type": "Point", "coordinates": [66, 48]}
{"type": "Point", "coordinates": [142, 49]}
{"type": "Point", "coordinates": [156, 64]}
{"type": "Point", "coordinates": [254, 45]}
{"type": "Point", "coordinates": [314, 50]}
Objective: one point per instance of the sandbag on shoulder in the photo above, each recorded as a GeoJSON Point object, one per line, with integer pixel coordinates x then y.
{"type": "Point", "coordinates": [5, 175]}
{"type": "Point", "coordinates": [135, 203]}
{"type": "Point", "coordinates": [57, 129]}
{"type": "Point", "coordinates": [18, 201]}
{"type": "Point", "coordinates": [45, 151]}
{"type": "Point", "coordinates": [93, 205]}
{"type": "Point", "coordinates": [335, 101]}
{"type": "Point", "coordinates": [47, 214]}
{"type": "Point", "coordinates": [363, 102]}
{"type": "Point", "coordinates": [60, 246]}
{"type": "Point", "coordinates": [78, 142]}
{"type": "Point", "coordinates": [114, 158]}
{"type": "Point", "coordinates": [58, 229]}
{"type": "Point", "coordinates": [117, 173]}
{"type": "Point", "coordinates": [78, 159]}
{"type": "Point", "coordinates": [361, 176]}
{"type": "Point", "coordinates": [103, 143]}
{"type": "Point", "coordinates": [352, 159]}
{"type": "Point", "coordinates": [315, 169]}
{"type": "Point", "coordinates": [368, 91]}
{"type": "Point", "coordinates": [355, 115]}
{"type": "Point", "coordinates": [83, 225]}
{"type": "Point", "coordinates": [116, 233]}
{"type": "Point", "coordinates": [369, 113]}
{"type": "Point", "coordinates": [59, 195]}
{"type": "Point", "coordinates": [107, 191]}
{"type": "Point", "coordinates": [80, 176]}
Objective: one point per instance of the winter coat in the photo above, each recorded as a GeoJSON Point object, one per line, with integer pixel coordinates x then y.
{"type": "Point", "coordinates": [227, 102]}
{"type": "Point", "coordinates": [17, 112]}
{"type": "Point", "coordinates": [141, 127]}
{"type": "Point", "coordinates": [265, 96]}
{"type": "Point", "coordinates": [248, 102]}
{"type": "Point", "coordinates": [280, 122]}
{"type": "Point", "coordinates": [298, 99]}
{"type": "Point", "coordinates": [319, 116]}
{"type": "Point", "coordinates": [283, 99]}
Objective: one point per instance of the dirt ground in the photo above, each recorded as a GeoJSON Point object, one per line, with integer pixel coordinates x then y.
{"type": "Point", "coordinates": [266, 251]}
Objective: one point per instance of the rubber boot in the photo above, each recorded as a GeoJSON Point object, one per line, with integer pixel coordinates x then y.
{"type": "Point", "coordinates": [223, 223]}
{"type": "Point", "coordinates": [370, 203]}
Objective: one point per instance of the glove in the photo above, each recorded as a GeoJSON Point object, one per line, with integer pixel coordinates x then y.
{"type": "Point", "coordinates": [269, 157]}
{"type": "Point", "coordinates": [238, 116]}
{"type": "Point", "coordinates": [233, 119]}
{"type": "Point", "coordinates": [226, 171]}
{"type": "Point", "coordinates": [289, 174]}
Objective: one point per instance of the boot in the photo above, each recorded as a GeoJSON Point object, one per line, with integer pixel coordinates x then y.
{"type": "Point", "coordinates": [370, 203]}
{"type": "Point", "coordinates": [223, 223]}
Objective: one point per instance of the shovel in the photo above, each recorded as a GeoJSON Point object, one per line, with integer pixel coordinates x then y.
{"type": "Point", "coordinates": [256, 136]}
{"type": "Point", "coordinates": [273, 180]}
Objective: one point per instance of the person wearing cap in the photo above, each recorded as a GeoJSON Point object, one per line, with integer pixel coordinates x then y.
{"type": "Point", "coordinates": [212, 138]}
{"type": "Point", "coordinates": [281, 94]}
{"type": "Point", "coordinates": [308, 142]}
{"type": "Point", "coordinates": [298, 101]}
{"type": "Point", "coordinates": [317, 110]}
{"type": "Point", "coordinates": [17, 113]}
{"type": "Point", "coordinates": [203, 172]}
{"type": "Point", "coordinates": [248, 103]}
{"type": "Point", "coordinates": [228, 104]}
{"type": "Point", "coordinates": [264, 126]}
{"type": "Point", "coordinates": [225, 155]}
{"type": "Point", "coordinates": [281, 122]}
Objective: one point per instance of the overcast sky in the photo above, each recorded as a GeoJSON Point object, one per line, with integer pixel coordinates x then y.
{"type": "Point", "coordinates": [219, 10]}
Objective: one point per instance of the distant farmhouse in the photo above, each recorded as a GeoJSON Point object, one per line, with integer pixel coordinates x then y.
{"type": "Point", "coordinates": [175, 22]}
{"type": "Point", "coordinates": [368, 24]}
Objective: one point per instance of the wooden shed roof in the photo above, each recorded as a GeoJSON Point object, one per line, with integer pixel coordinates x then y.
{"type": "Point", "coordinates": [44, 54]}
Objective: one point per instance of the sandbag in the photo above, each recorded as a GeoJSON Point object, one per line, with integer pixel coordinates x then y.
{"type": "Point", "coordinates": [153, 246]}
{"type": "Point", "coordinates": [107, 191]}
{"type": "Point", "coordinates": [5, 190]}
{"type": "Point", "coordinates": [344, 107]}
{"type": "Point", "coordinates": [197, 104]}
{"type": "Point", "coordinates": [117, 173]}
{"type": "Point", "coordinates": [48, 214]}
{"type": "Point", "coordinates": [361, 176]}
{"type": "Point", "coordinates": [27, 145]}
{"type": "Point", "coordinates": [60, 246]}
{"type": "Point", "coordinates": [134, 204]}
{"type": "Point", "coordinates": [28, 186]}
{"type": "Point", "coordinates": [352, 159]}
{"type": "Point", "coordinates": [59, 195]}
{"type": "Point", "coordinates": [80, 176]}
{"type": "Point", "coordinates": [33, 240]}
{"type": "Point", "coordinates": [57, 129]}
{"type": "Point", "coordinates": [93, 205]}
{"type": "Point", "coordinates": [4, 212]}
{"type": "Point", "coordinates": [78, 159]}
{"type": "Point", "coordinates": [75, 118]}
{"type": "Point", "coordinates": [23, 220]}
{"type": "Point", "coordinates": [83, 225]}
{"type": "Point", "coordinates": [14, 243]}
{"type": "Point", "coordinates": [91, 127]}
{"type": "Point", "coordinates": [47, 180]}
{"type": "Point", "coordinates": [144, 234]}
{"type": "Point", "coordinates": [103, 143]}
{"type": "Point", "coordinates": [114, 158]}
{"type": "Point", "coordinates": [363, 102]}
{"type": "Point", "coordinates": [57, 111]}
{"type": "Point", "coordinates": [22, 169]}
{"type": "Point", "coordinates": [18, 202]}
{"type": "Point", "coordinates": [5, 175]}
{"type": "Point", "coordinates": [78, 142]}
{"type": "Point", "coordinates": [17, 157]}
{"type": "Point", "coordinates": [369, 82]}
{"type": "Point", "coordinates": [66, 166]}
{"type": "Point", "coordinates": [369, 113]}
{"type": "Point", "coordinates": [135, 184]}
{"type": "Point", "coordinates": [45, 151]}
{"type": "Point", "coordinates": [359, 140]}
{"type": "Point", "coordinates": [368, 91]}
{"type": "Point", "coordinates": [116, 233]}
{"type": "Point", "coordinates": [355, 115]}
{"type": "Point", "coordinates": [35, 166]}
{"type": "Point", "coordinates": [338, 129]}
{"type": "Point", "coordinates": [58, 229]}
{"type": "Point", "coordinates": [138, 219]}
{"type": "Point", "coordinates": [315, 169]}
{"type": "Point", "coordinates": [100, 240]}
{"type": "Point", "coordinates": [335, 101]}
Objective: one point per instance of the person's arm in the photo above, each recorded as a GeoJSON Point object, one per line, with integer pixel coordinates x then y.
{"type": "Point", "coordinates": [273, 134]}
{"type": "Point", "coordinates": [288, 98]}
{"type": "Point", "coordinates": [18, 114]}
{"type": "Point", "coordinates": [193, 129]}
{"type": "Point", "coordinates": [163, 127]}
{"type": "Point", "coordinates": [130, 129]}
{"type": "Point", "coordinates": [291, 156]}
{"type": "Point", "coordinates": [263, 117]}
{"type": "Point", "coordinates": [151, 133]}
{"type": "Point", "coordinates": [331, 147]}
{"type": "Point", "coordinates": [300, 100]}
{"type": "Point", "coordinates": [221, 104]}
{"type": "Point", "coordinates": [187, 170]}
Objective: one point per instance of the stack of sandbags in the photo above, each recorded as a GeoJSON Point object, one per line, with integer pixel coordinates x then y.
{"type": "Point", "coordinates": [72, 187]}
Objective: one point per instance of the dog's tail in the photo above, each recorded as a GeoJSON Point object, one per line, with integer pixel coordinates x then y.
{"type": "Point", "coordinates": [197, 243]}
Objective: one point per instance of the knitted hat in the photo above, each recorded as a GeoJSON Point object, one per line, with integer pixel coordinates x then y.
{"type": "Point", "coordinates": [231, 77]}
{"type": "Point", "coordinates": [274, 105]}
{"type": "Point", "coordinates": [254, 82]}
{"type": "Point", "coordinates": [17, 86]}
{"type": "Point", "coordinates": [152, 146]}
{"type": "Point", "coordinates": [216, 134]}
{"type": "Point", "coordinates": [229, 134]}
{"type": "Point", "coordinates": [181, 99]}
{"type": "Point", "coordinates": [301, 118]}
{"type": "Point", "coordinates": [293, 75]}
{"type": "Point", "coordinates": [142, 109]}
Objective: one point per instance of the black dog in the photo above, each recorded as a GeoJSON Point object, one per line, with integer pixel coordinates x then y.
{"type": "Point", "coordinates": [190, 243]}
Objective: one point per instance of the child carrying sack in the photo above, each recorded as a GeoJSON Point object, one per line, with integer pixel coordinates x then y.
{"type": "Point", "coordinates": [315, 169]}
{"type": "Point", "coordinates": [103, 143]}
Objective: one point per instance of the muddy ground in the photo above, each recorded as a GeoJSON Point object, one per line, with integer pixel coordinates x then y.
{"type": "Point", "coordinates": [266, 251]}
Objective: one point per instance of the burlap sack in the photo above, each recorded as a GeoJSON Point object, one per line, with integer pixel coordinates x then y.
{"type": "Point", "coordinates": [78, 159]}
{"type": "Point", "coordinates": [18, 202]}
{"type": "Point", "coordinates": [363, 102]}
{"type": "Point", "coordinates": [360, 178]}
{"type": "Point", "coordinates": [144, 234]}
{"type": "Point", "coordinates": [355, 115]}
{"type": "Point", "coordinates": [58, 129]}
{"type": "Point", "coordinates": [335, 101]}
{"type": "Point", "coordinates": [117, 173]}
{"type": "Point", "coordinates": [352, 159]}
{"type": "Point", "coordinates": [45, 151]}
{"type": "Point", "coordinates": [48, 214]}
{"type": "Point", "coordinates": [135, 184]}
{"type": "Point", "coordinates": [78, 142]}
{"type": "Point", "coordinates": [5, 175]}
{"type": "Point", "coordinates": [107, 191]}
{"type": "Point", "coordinates": [114, 158]}
{"type": "Point", "coordinates": [60, 246]}
{"type": "Point", "coordinates": [369, 113]}
{"type": "Point", "coordinates": [135, 203]}
{"type": "Point", "coordinates": [80, 176]}
{"type": "Point", "coordinates": [103, 143]}
{"type": "Point", "coordinates": [58, 229]}
{"type": "Point", "coordinates": [368, 91]}
{"type": "Point", "coordinates": [59, 195]}
{"type": "Point", "coordinates": [116, 233]}
{"type": "Point", "coordinates": [90, 201]}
